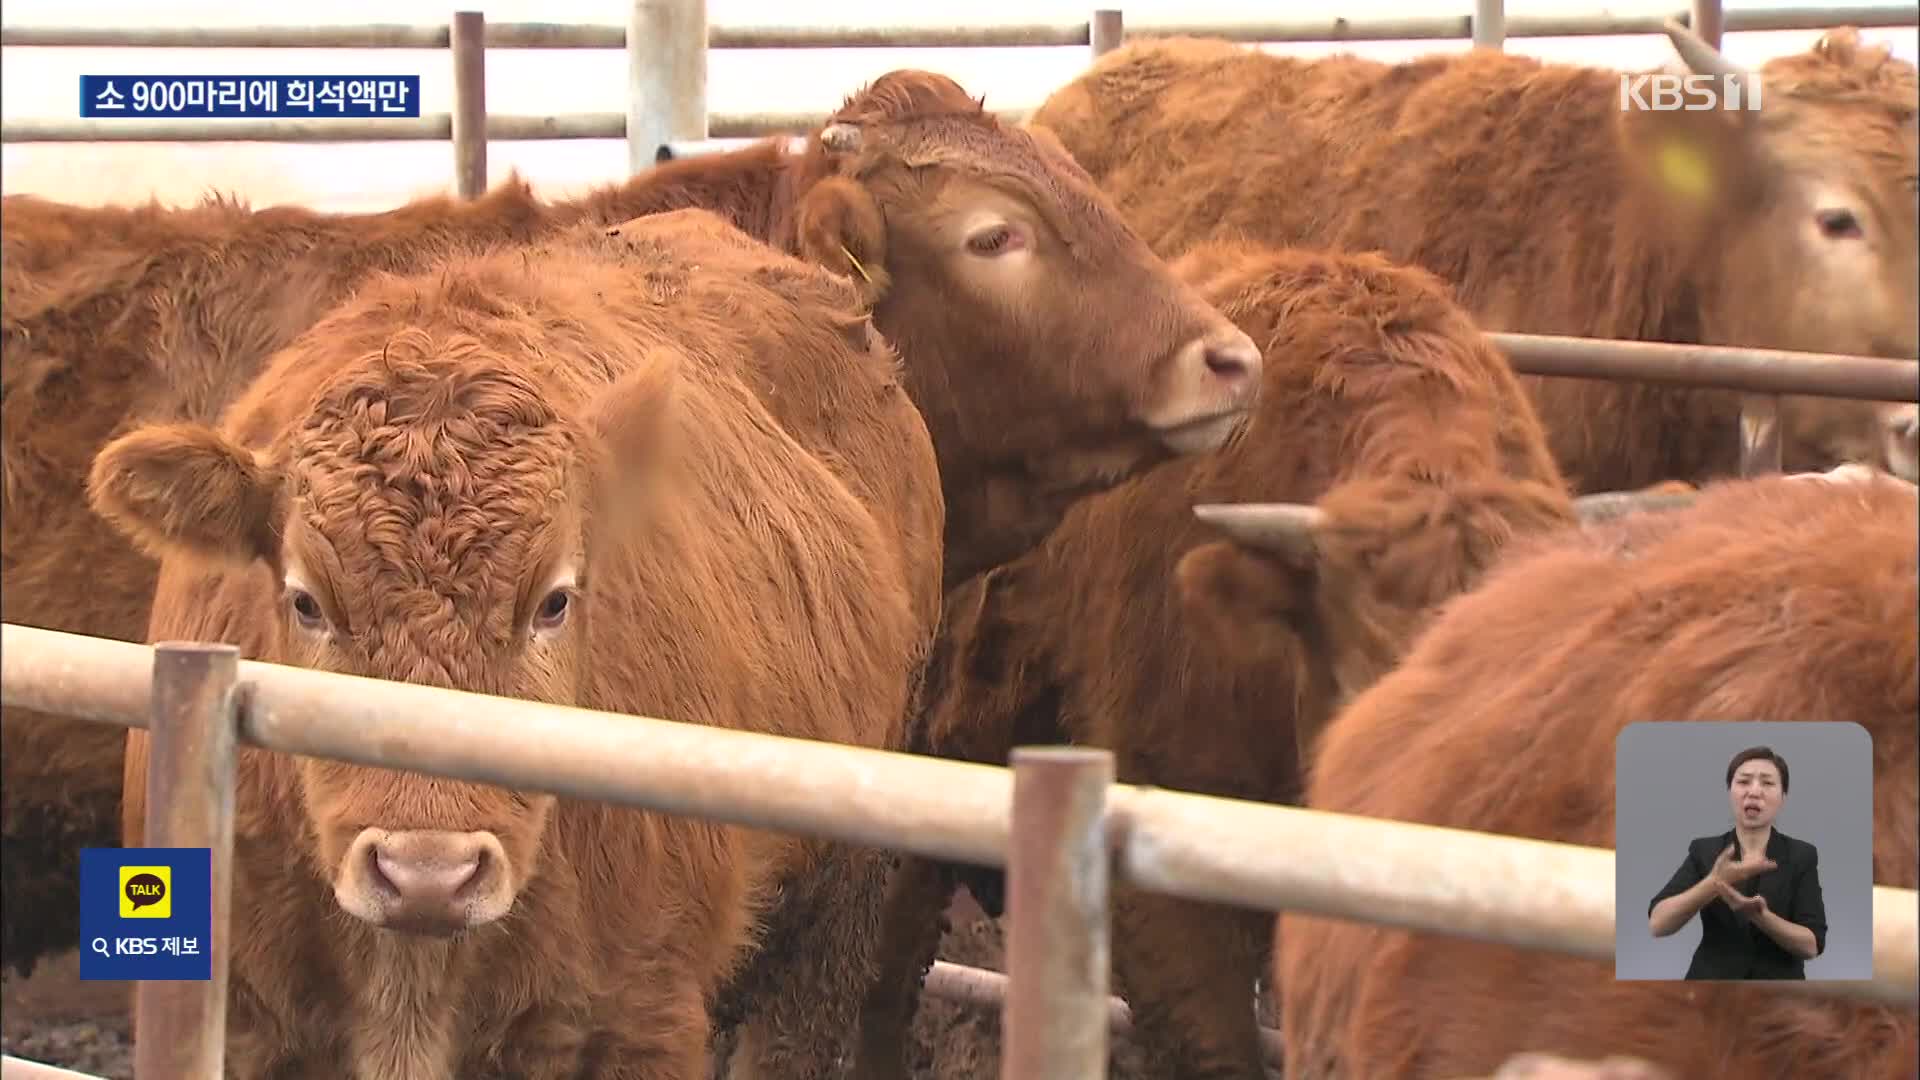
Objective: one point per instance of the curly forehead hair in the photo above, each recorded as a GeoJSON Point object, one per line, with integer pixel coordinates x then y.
{"type": "Point", "coordinates": [1758, 753]}
{"type": "Point", "coordinates": [443, 465]}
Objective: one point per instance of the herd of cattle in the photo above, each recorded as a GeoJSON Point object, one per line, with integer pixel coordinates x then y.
{"type": "Point", "coordinates": [894, 441]}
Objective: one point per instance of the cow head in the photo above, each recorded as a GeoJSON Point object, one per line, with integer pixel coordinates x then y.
{"type": "Point", "coordinates": [428, 515]}
{"type": "Point", "coordinates": [1354, 576]}
{"type": "Point", "coordinates": [1799, 216]}
{"type": "Point", "coordinates": [1043, 340]}
{"type": "Point", "coordinates": [1803, 207]}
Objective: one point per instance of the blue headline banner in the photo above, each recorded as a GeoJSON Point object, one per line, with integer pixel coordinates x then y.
{"type": "Point", "coordinates": [226, 96]}
{"type": "Point", "coordinates": [146, 913]}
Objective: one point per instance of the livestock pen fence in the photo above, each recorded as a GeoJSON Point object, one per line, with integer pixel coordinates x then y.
{"type": "Point", "coordinates": [1055, 820]}
{"type": "Point", "coordinates": [1048, 817]}
{"type": "Point", "coordinates": [667, 42]}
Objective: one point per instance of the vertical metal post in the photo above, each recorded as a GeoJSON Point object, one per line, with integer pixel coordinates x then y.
{"type": "Point", "coordinates": [1759, 434]}
{"type": "Point", "coordinates": [468, 43]}
{"type": "Point", "coordinates": [666, 77]}
{"type": "Point", "coordinates": [1708, 20]}
{"type": "Point", "coordinates": [1106, 31]}
{"type": "Point", "coordinates": [180, 1028]}
{"type": "Point", "coordinates": [1055, 1022]}
{"type": "Point", "coordinates": [1489, 24]}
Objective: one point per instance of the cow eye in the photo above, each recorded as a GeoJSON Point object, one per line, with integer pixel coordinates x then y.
{"type": "Point", "coordinates": [306, 610]}
{"type": "Point", "coordinates": [1838, 224]}
{"type": "Point", "coordinates": [552, 610]}
{"type": "Point", "coordinates": [993, 240]}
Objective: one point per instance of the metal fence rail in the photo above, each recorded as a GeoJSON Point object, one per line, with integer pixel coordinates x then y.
{"type": "Point", "coordinates": [1515, 891]}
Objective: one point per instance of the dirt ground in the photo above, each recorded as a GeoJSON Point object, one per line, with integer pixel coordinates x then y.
{"type": "Point", "coordinates": [55, 1018]}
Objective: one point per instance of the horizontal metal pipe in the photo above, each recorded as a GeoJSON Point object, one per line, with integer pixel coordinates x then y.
{"type": "Point", "coordinates": [19, 1068]}
{"type": "Point", "coordinates": [925, 35]}
{"type": "Point", "coordinates": [938, 808]}
{"type": "Point", "coordinates": [1507, 890]}
{"type": "Point", "coordinates": [1767, 371]}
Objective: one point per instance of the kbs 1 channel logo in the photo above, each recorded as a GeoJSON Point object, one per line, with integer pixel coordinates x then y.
{"type": "Point", "coordinates": [146, 913]}
{"type": "Point", "coordinates": [1668, 92]}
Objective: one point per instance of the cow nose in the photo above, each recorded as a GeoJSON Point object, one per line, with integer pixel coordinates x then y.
{"type": "Point", "coordinates": [1232, 357]}
{"type": "Point", "coordinates": [1206, 389]}
{"type": "Point", "coordinates": [425, 881]}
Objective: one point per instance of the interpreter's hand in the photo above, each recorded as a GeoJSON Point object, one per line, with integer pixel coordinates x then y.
{"type": "Point", "coordinates": [1727, 871]}
{"type": "Point", "coordinates": [1750, 907]}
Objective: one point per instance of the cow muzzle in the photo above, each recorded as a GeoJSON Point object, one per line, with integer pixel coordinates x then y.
{"type": "Point", "coordinates": [1211, 385]}
{"type": "Point", "coordinates": [425, 881]}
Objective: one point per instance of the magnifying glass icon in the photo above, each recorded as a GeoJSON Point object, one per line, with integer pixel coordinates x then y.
{"type": "Point", "coordinates": [100, 946]}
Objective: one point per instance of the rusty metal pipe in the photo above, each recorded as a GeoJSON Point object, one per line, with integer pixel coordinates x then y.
{"type": "Point", "coordinates": [1507, 890]}
{"type": "Point", "coordinates": [1759, 371]}
{"type": "Point", "coordinates": [1106, 31]}
{"type": "Point", "coordinates": [1054, 1024]}
{"type": "Point", "coordinates": [468, 44]}
{"type": "Point", "coordinates": [180, 1027]}
{"type": "Point", "coordinates": [1526, 893]}
{"type": "Point", "coordinates": [936, 808]}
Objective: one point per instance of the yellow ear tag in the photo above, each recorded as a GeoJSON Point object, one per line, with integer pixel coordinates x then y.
{"type": "Point", "coordinates": [1685, 170]}
{"type": "Point", "coordinates": [856, 264]}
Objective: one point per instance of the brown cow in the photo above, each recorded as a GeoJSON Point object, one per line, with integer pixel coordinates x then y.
{"type": "Point", "coordinates": [1550, 209]}
{"type": "Point", "coordinates": [1380, 395]}
{"type": "Point", "coordinates": [1049, 350]}
{"type": "Point", "coordinates": [662, 470]}
{"type": "Point", "coordinates": [1769, 599]}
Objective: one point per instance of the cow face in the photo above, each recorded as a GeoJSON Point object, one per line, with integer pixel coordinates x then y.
{"type": "Point", "coordinates": [1804, 207]}
{"type": "Point", "coordinates": [1802, 216]}
{"type": "Point", "coordinates": [1041, 335]}
{"type": "Point", "coordinates": [427, 518]}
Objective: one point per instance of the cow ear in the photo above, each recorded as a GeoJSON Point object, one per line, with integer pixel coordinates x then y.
{"type": "Point", "coordinates": [1242, 603]}
{"type": "Point", "coordinates": [840, 228]}
{"type": "Point", "coordinates": [637, 423]}
{"type": "Point", "coordinates": [184, 488]}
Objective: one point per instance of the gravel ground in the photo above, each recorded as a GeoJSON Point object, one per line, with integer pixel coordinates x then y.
{"type": "Point", "coordinates": [55, 1018]}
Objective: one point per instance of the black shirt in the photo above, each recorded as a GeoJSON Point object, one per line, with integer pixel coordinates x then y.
{"type": "Point", "coordinates": [1731, 947]}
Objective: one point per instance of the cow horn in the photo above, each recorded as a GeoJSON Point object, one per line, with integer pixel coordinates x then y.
{"type": "Point", "coordinates": [842, 138]}
{"type": "Point", "coordinates": [1700, 57]}
{"type": "Point", "coordinates": [1286, 528]}
{"type": "Point", "coordinates": [1608, 505]}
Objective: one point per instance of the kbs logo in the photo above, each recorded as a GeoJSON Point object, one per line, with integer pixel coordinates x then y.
{"type": "Point", "coordinates": [1662, 92]}
{"type": "Point", "coordinates": [145, 892]}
